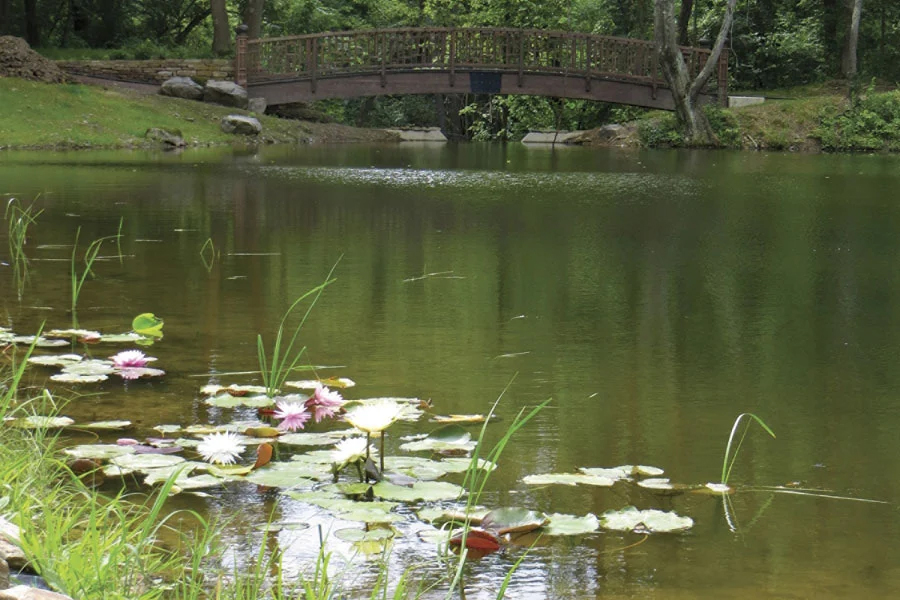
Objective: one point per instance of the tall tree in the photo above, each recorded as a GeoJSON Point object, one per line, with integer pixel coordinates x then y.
{"type": "Point", "coordinates": [686, 92]}
{"type": "Point", "coordinates": [221, 32]}
{"type": "Point", "coordinates": [848, 61]}
{"type": "Point", "coordinates": [253, 17]}
{"type": "Point", "coordinates": [684, 19]}
{"type": "Point", "coordinates": [32, 27]}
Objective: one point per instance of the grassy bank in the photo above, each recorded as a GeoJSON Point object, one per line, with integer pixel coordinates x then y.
{"type": "Point", "coordinates": [815, 118]}
{"type": "Point", "coordinates": [54, 116]}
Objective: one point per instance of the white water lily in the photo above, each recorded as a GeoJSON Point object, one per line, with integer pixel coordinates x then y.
{"type": "Point", "coordinates": [350, 450]}
{"type": "Point", "coordinates": [375, 416]}
{"type": "Point", "coordinates": [221, 448]}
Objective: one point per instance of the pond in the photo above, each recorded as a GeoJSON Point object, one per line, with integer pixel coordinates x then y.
{"type": "Point", "coordinates": [654, 296]}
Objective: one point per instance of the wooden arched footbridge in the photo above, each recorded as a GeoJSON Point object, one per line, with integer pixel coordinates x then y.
{"type": "Point", "coordinates": [348, 64]}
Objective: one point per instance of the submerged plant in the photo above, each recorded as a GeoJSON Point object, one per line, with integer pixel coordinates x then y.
{"type": "Point", "coordinates": [90, 255]}
{"type": "Point", "coordinates": [276, 367]}
{"type": "Point", "coordinates": [729, 458]}
{"type": "Point", "coordinates": [18, 219]}
{"type": "Point", "coordinates": [209, 254]}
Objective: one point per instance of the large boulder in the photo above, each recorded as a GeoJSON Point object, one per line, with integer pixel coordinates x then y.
{"type": "Point", "coordinates": [17, 59]}
{"type": "Point", "coordinates": [23, 592]}
{"type": "Point", "coordinates": [226, 93]}
{"type": "Point", "coordinates": [169, 138]}
{"type": "Point", "coordinates": [182, 87]}
{"type": "Point", "coordinates": [241, 125]}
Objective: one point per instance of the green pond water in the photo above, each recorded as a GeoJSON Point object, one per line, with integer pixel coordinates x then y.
{"type": "Point", "coordinates": [654, 296]}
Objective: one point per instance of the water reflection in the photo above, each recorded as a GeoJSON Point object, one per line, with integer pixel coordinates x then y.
{"type": "Point", "coordinates": [653, 295]}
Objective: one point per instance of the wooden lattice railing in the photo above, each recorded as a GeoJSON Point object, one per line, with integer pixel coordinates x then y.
{"type": "Point", "coordinates": [452, 50]}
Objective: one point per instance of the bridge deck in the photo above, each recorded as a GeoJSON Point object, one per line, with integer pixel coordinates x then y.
{"type": "Point", "coordinates": [455, 60]}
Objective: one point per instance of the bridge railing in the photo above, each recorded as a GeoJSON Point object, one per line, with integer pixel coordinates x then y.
{"type": "Point", "coordinates": [455, 50]}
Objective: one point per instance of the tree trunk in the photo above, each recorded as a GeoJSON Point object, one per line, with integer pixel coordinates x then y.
{"type": "Point", "coordinates": [686, 93]}
{"type": "Point", "coordinates": [253, 18]}
{"type": "Point", "coordinates": [221, 32]}
{"type": "Point", "coordinates": [684, 18]}
{"type": "Point", "coordinates": [848, 63]}
{"type": "Point", "coordinates": [32, 31]}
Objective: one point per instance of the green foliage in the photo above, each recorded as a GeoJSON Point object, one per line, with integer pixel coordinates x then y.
{"type": "Point", "coordinates": [663, 131]}
{"type": "Point", "coordinates": [18, 219]}
{"type": "Point", "coordinates": [871, 124]}
{"type": "Point", "coordinates": [275, 367]}
{"type": "Point", "coordinates": [660, 132]}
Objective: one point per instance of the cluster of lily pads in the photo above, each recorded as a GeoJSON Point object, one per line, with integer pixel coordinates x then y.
{"type": "Point", "coordinates": [339, 469]}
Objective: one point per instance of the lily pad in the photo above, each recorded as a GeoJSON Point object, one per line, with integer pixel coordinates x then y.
{"type": "Point", "coordinates": [614, 473]}
{"type": "Point", "coordinates": [426, 491]}
{"type": "Point", "coordinates": [410, 406]}
{"type": "Point", "coordinates": [661, 486]}
{"type": "Point", "coordinates": [85, 334]}
{"type": "Point", "coordinates": [182, 469]}
{"type": "Point", "coordinates": [233, 389]}
{"type": "Point", "coordinates": [282, 526]}
{"type": "Point", "coordinates": [513, 520]}
{"type": "Point", "coordinates": [55, 360]}
{"type": "Point", "coordinates": [122, 338]}
{"type": "Point", "coordinates": [98, 451]}
{"type": "Point", "coordinates": [148, 324]}
{"type": "Point", "coordinates": [76, 378]}
{"type": "Point", "coordinates": [718, 488]}
{"type": "Point", "coordinates": [433, 514]}
{"type": "Point", "coordinates": [92, 366]}
{"type": "Point", "coordinates": [39, 422]}
{"type": "Point", "coordinates": [164, 429]}
{"type": "Point", "coordinates": [561, 524]}
{"type": "Point", "coordinates": [449, 437]}
{"type": "Point", "coordinates": [143, 462]}
{"type": "Point", "coordinates": [480, 541]}
{"type": "Point", "coordinates": [569, 479]}
{"type": "Point", "coordinates": [651, 521]}
{"type": "Point", "coordinates": [332, 382]}
{"type": "Point", "coordinates": [40, 342]}
{"type": "Point", "coordinates": [350, 510]}
{"type": "Point", "coordinates": [313, 439]}
{"type": "Point", "coordinates": [229, 401]}
{"type": "Point", "coordinates": [107, 425]}
{"type": "Point", "coordinates": [294, 475]}
{"type": "Point", "coordinates": [138, 372]}
{"type": "Point", "coordinates": [352, 534]}
{"type": "Point", "coordinates": [458, 418]}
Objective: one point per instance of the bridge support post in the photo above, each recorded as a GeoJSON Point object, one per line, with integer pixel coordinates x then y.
{"type": "Point", "coordinates": [453, 58]}
{"type": "Point", "coordinates": [587, 65]}
{"type": "Point", "coordinates": [521, 78]}
{"type": "Point", "coordinates": [240, 55]}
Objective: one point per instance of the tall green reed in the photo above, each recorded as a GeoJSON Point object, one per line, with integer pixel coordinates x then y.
{"type": "Point", "coordinates": [476, 479]}
{"type": "Point", "coordinates": [277, 366]}
{"type": "Point", "coordinates": [730, 457]}
{"type": "Point", "coordinates": [77, 278]}
{"type": "Point", "coordinates": [18, 219]}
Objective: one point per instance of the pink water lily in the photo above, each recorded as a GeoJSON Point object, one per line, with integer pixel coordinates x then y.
{"type": "Point", "coordinates": [324, 402]}
{"type": "Point", "coordinates": [293, 415]}
{"type": "Point", "coordinates": [130, 359]}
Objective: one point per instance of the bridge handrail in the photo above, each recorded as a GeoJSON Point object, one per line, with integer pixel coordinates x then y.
{"type": "Point", "coordinates": [452, 49]}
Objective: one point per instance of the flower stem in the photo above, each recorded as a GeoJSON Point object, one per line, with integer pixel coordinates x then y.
{"type": "Point", "coordinates": [368, 438]}
{"type": "Point", "coordinates": [381, 458]}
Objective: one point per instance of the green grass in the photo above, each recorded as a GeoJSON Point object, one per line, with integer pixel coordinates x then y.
{"type": "Point", "coordinates": [60, 116]}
